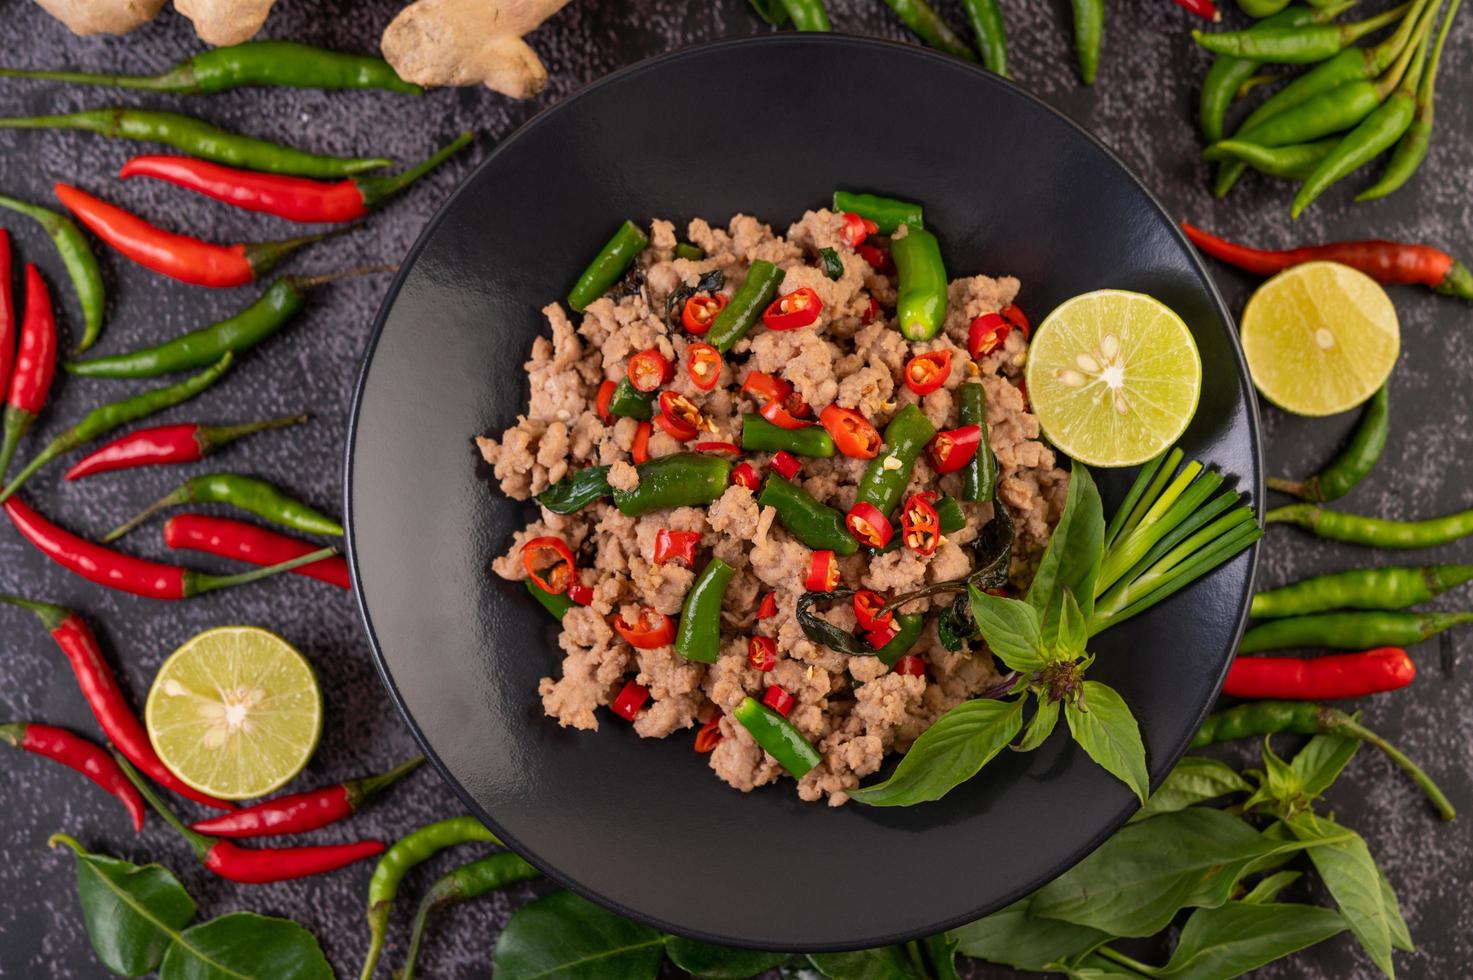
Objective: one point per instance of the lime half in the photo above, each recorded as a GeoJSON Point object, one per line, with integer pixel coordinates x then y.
{"type": "Point", "coordinates": [1113, 377]}
{"type": "Point", "coordinates": [1320, 338]}
{"type": "Point", "coordinates": [236, 712]}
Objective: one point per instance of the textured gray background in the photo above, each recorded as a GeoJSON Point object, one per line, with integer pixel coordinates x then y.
{"type": "Point", "coordinates": [1142, 106]}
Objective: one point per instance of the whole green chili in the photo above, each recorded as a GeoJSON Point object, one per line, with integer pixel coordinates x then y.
{"type": "Point", "coordinates": [467, 882]}
{"type": "Point", "coordinates": [1355, 461]}
{"type": "Point", "coordinates": [758, 291]}
{"type": "Point", "coordinates": [557, 604]}
{"type": "Point", "coordinates": [679, 480]}
{"type": "Point", "coordinates": [807, 15]}
{"type": "Point", "coordinates": [920, 303]}
{"type": "Point", "coordinates": [908, 627]}
{"type": "Point", "coordinates": [629, 402]}
{"type": "Point", "coordinates": [887, 213]}
{"type": "Point", "coordinates": [249, 493]}
{"type": "Point", "coordinates": [883, 483]}
{"type": "Point", "coordinates": [608, 265]}
{"type": "Point", "coordinates": [985, 17]}
{"type": "Point", "coordinates": [80, 262]}
{"type": "Point", "coordinates": [1322, 115]}
{"type": "Point", "coordinates": [1295, 162]}
{"type": "Point", "coordinates": [107, 418]}
{"type": "Point", "coordinates": [1089, 36]}
{"type": "Point", "coordinates": [1374, 532]}
{"type": "Point", "coordinates": [1261, 8]}
{"type": "Point", "coordinates": [979, 477]}
{"type": "Point", "coordinates": [698, 637]}
{"type": "Point", "coordinates": [928, 25]}
{"type": "Point", "coordinates": [200, 139]}
{"type": "Point", "coordinates": [812, 522]}
{"type": "Point", "coordinates": [407, 853]}
{"type": "Point", "coordinates": [1360, 588]}
{"type": "Point", "coordinates": [576, 490]}
{"type": "Point", "coordinates": [760, 435]}
{"type": "Point", "coordinates": [1349, 630]}
{"type": "Point", "coordinates": [778, 737]}
{"type": "Point", "coordinates": [1300, 45]}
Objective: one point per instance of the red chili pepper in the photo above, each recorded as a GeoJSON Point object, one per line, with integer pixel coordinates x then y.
{"type": "Point", "coordinates": [180, 257]}
{"type": "Point", "coordinates": [601, 402]}
{"type": "Point", "coordinates": [952, 449]}
{"type": "Point", "coordinates": [866, 605]}
{"type": "Point", "coordinates": [1018, 319]}
{"type": "Point", "coordinates": [1202, 8]}
{"type": "Point", "coordinates": [911, 666]}
{"type": "Point", "coordinates": [549, 563]}
{"type": "Point", "coordinates": [167, 445]}
{"type": "Point", "coordinates": [851, 432]}
{"type": "Point", "coordinates": [581, 594]}
{"type": "Point", "coordinates": [301, 812]}
{"type": "Point", "coordinates": [765, 387]}
{"type": "Point", "coordinates": [648, 370]}
{"type": "Point", "coordinates": [779, 415]}
{"type": "Point", "coordinates": [703, 365]}
{"type": "Point", "coordinates": [1023, 390]}
{"type": "Point", "coordinates": [762, 653]}
{"type": "Point", "coordinates": [679, 416]}
{"type": "Point", "coordinates": [823, 572]}
{"type": "Point", "coordinates": [1389, 263]}
{"type": "Point", "coordinates": [700, 310]}
{"type": "Point", "coordinates": [856, 229]}
{"type": "Point", "coordinates": [745, 475]}
{"type": "Point", "coordinates": [639, 450]}
{"type": "Point", "coordinates": [797, 407]}
{"type": "Point", "coordinates": [797, 309]}
{"type": "Point", "coordinates": [919, 524]}
{"type": "Point", "coordinates": [869, 527]}
{"type": "Point", "coordinates": [871, 312]}
{"type": "Point", "coordinates": [35, 366]}
{"type": "Point", "coordinates": [228, 538]}
{"type": "Point", "coordinates": [924, 373]}
{"type": "Point", "coordinates": [878, 258]}
{"type": "Point", "coordinates": [629, 700]}
{"type": "Point", "coordinates": [75, 752]}
{"type": "Point", "coordinates": [778, 700]}
{"type": "Point", "coordinates": [99, 687]}
{"type": "Point", "coordinates": [649, 631]}
{"type": "Point", "coordinates": [986, 334]}
{"type": "Point", "coordinates": [786, 464]}
{"type": "Point", "coordinates": [7, 315]}
{"type": "Point", "coordinates": [677, 546]}
{"type": "Point", "coordinates": [718, 447]}
{"type": "Point", "coordinates": [1344, 675]}
{"type": "Point", "coordinates": [767, 608]}
{"type": "Point", "coordinates": [709, 736]}
{"type": "Point", "coordinates": [881, 634]}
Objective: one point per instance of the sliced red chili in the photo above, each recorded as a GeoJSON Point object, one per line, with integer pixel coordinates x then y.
{"type": "Point", "coordinates": [679, 416]}
{"type": "Point", "coordinates": [718, 447]}
{"type": "Point", "coordinates": [924, 373]}
{"type": "Point", "coordinates": [786, 464]}
{"type": "Point", "coordinates": [778, 700]}
{"type": "Point", "coordinates": [745, 475]}
{"type": "Point", "coordinates": [640, 450]}
{"type": "Point", "coordinates": [629, 700]}
{"type": "Point", "coordinates": [951, 449]}
{"type": "Point", "coordinates": [1018, 319]}
{"type": "Point", "coordinates": [823, 572]}
{"type": "Point", "coordinates": [800, 308]}
{"type": "Point", "coordinates": [1023, 390]}
{"type": "Point", "coordinates": [869, 526]}
{"type": "Point", "coordinates": [703, 366]}
{"type": "Point", "coordinates": [919, 525]}
{"type": "Point", "coordinates": [677, 546]}
{"type": "Point", "coordinates": [767, 608]}
{"type": "Point", "coordinates": [648, 370]}
{"type": "Point", "coordinates": [762, 653]}
{"type": "Point", "coordinates": [649, 631]}
{"type": "Point", "coordinates": [878, 258]}
{"type": "Point", "coordinates": [581, 594]}
{"type": "Point", "coordinates": [853, 232]}
{"type": "Point", "coordinates": [881, 635]}
{"type": "Point", "coordinates": [709, 736]}
{"type": "Point", "coordinates": [549, 563]}
{"type": "Point", "coordinates": [765, 387]}
{"type": "Point", "coordinates": [986, 334]}
{"type": "Point", "coordinates": [911, 665]}
{"type": "Point", "coordinates": [797, 407]}
{"type": "Point", "coordinates": [871, 312]}
{"type": "Point", "coordinates": [601, 403]}
{"type": "Point", "coordinates": [866, 604]}
{"type": "Point", "coordinates": [851, 432]}
{"type": "Point", "coordinates": [778, 415]}
{"type": "Point", "coordinates": [700, 310]}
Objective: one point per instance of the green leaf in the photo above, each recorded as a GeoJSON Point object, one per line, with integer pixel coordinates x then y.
{"type": "Point", "coordinates": [1073, 632]}
{"type": "Point", "coordinates": [566, 937]}
{"type": "Point", "coordinates": [1227, 942]}
{"type": "Point", "coordinates": [1196, 779]}
{"type": "Point", "coordinates": [883, 963]}
{"type": "Point", "coordinates": [245, 946]}
{"type": "Point", "coordinates": [1268, 888]}
{"type": "Point", "coordinates": [948, 753]}
{"type": "Point", "coordinates": [1040, 726]}
{"type": "Point", "coordinates": [941, 952]}
{"type": "Point", "coordinates": [1072, 559]}
{"type": "Point", "coordinates": [1354, 882]}
{"type": "Point", "coordinates": [1105, 728]}
{"type": "Point", "coordinates": [1010, 627]}
{"type": "Point", "coordinates": [1319, 763]}
{"type": "Point", "coordinates": [132, 912]}
{"type": "Point", "coordinates": [1012, 937]}
{"type": "Point", "coordinates": [1401, 936]}
{"type": "Point", "coordinates": [719, 962]}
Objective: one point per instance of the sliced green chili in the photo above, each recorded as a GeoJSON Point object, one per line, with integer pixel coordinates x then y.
{"type": "Point", "coordinates": [949, 512]}
{"type": "Point", "coordinates": [920, 307]}
{"type": "Point", "coordinates": [558, 605]}
{"type": "Point", "coordinates": [80, 262]}
{"type": "Point", "coordinates": [685, 250]}
{"type": "Point", "coordinates": [629, 402]}
{"type": "Point", "coordinates": [979, 477]}
{"type": "Point", "coordinates": [758, 291]}
{"type": "Point", "coordinates": [681, 480]}
{"type": "Point", "coordinates": [1360, 588]}
{"type": "Point", "coordinates": [698, 637]}
{"type": "Point", "coordinates": [608, 265]}
{"type": "Point", "coordinates": [249, 493]}
{"type": "Point", "coordinates": [887, 213]}
{"type": "Point", "coordinates": [908, 628]}
{"type": "Point", "coordinates": [778, 737]}
{"type": "Point", "coordinates": [816, 524]}
{"type": "Point", "coordinates": [884, 483]}
{"type": "Point", "coordinates": [760, 435]}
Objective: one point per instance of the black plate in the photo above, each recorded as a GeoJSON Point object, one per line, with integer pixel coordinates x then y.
{"type": "Point", "coordinates": [768, 126]}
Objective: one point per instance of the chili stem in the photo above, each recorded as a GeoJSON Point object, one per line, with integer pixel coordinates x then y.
{"type": "Point", "coordinates": [199, 842]}
{"type": "Point", "coordinates": [212, 583]}
{"type": "Point", "coordinates": [1342, 724]}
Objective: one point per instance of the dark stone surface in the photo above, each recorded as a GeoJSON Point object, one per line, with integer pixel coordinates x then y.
{"type": "Point", "coordinates": [1142, 106]}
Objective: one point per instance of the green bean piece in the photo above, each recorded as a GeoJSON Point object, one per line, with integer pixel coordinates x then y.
{"type": "Point", "coordinates": [1360, 588]}
{"type": "Point", "coordinates": [920, 306]}
{"type": "Point", "coordinates": [887, 213]}
{"type": "Point", "coordinates": [979, 477]}
{"type": "Point", "coordinates": [629, 402]}
{"type": "Point", "coordinates": [1294, 162]}
{"type": "Point", "coordinates": [985, 17]}
{"type": "Point", "coordinates": [1089, 36]}
{"type": "Point", "coordinates": [908, 627]}
{"type": "Point", "coordinates": [557, 604]}
{"type": "Point", "coordinates": [1374, 532]}
{"type": "Point", "coordinates": [680, 480]}
{"type": "Point", "coordinates": [693, 253]}
{"type": "Point", "coordinates": [608, 265]}
{"type": "Point", "coordinates": [928, 25]}
{"type": "Point", "coordinates": [80, 262]}
{"type": "Point", "coordinates": [698, 637]}
{"type": "Point", "coordinates": [249, 493]}
{"type": "Point", "coordinates": [884, 483]}
{"type": "Point", "coordinates": [1349, 630]}
{"type": "Point", "coordinates": [107, 418]}
{"type": "Point", "coordinates": [816, 524]}
{"type": "Point", "coordinates": [1262, 8]}
{"type": "Point", "coordinates": [807, 15]}
{"type": "Point", "coordinates": [760, 435]}
{"type": "Point", "coordinates": [739, 315]}
{"type": "Point", "coordinates": [1353, 463]}
{"type": "Point", "coordinates": [778, 737]}
{"type": "Point", "coordinates": [576, 490]}
{"type": "Point", "coordinates": [465, 883]}
{"type": "Point", "coordinates": [200, 139]}
{"type": "Point", "coordinates": [1301, 45]}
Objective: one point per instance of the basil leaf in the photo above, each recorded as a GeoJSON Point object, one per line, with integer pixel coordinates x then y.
{"type": "Point", "coordinates": [719, 962]}
{"type": "Point", "coordinates": [1105, 728]}
{"type": "Point", "coordinates": [992, 552]}
{"type": "Point", "coordinates": [1319, 763]}
{"type": "Point", "coordinates": [820, 630]}
{"type": "Point", "coordinates": [1040, 726]}
{"type": "Point", "coordinates": [710, 283]}
{"type": "Point", "coordinates": [1012, 937]}
{"type": "Point", "coordinates": [948, 753]}
{"type": "Point", "coordinates": [832, 266]}
{"type": "Point", "coordinates": [1072, 559]}
{"type": "Point", "coordinates": [1010, 627]}
{"type": "Point", "coordinates": [1268, 888]}
{"type": "Point", "coordinates": [941, 951]}
{"type": "Point", "coordinates": [245, 945]}
{"type": "Point", "coordinates": [1073, 633]}
{"type": "Point", "coordinates": [1354, 882]}
{"type": "Point", "coordinates": [1401, 936]}
{"type": "Point", "coordinates": [884, 963]}
{"type": "Point", "coordinates": [576, 490]}
{"type": "Point", "coordinates": [955, 627]}
{"type": "Point", "coordinates": [1227, 942]}
{"type": "Point", "coordinates": [1196, 779]}
{"type": "Point", "coordinates": [573, 939]}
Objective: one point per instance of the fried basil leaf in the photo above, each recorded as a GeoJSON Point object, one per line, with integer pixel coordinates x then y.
{"type": "Point", "coordinates": [993, 551]}
{"type": "Point", "coordinates": [710, 283]}
{"type": "Point", "coordinates": [577, 490]}
{"type": "Point", "coordinates": [955, 627]}
{"type": "Point", "coordinates": [829, 260]}
{"type": "Point", "coordinates": [820, 630]}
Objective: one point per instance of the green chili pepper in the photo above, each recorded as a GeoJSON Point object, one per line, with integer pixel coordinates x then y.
{"type": "Point", "coordinates": [629, 402]}
{"type": "Point", "coordinates": [1262, 8]}
{"type": "Point", "coordinates": [576, 490]}
{"type": "Point", "coordinates": [1355, 461]}
{"type": "Point", "coordinates": [200, 139]}
{"type": "Point", "coordinates": [758, 290]}
{"type": "Point", "coordinates": [905, 437]}
{"type": "Point", "coordinates": [1374, 532]}
{"type": "Point", "coordinates": [1295, 162]}
{"type": "Point", "coordinates": [920, 307]}
{"type": "Point", "coordinates": [681, 480]}
{"type": "Point", "coordinates": [698, 636]}
{"type": "Point", "coordinates": [407, 853]}
{"type": "Point", "coordinates": [80, 262]}
{"type": "Point", "coordinates": [833, 266]}
{"type": "Point", "coordinates": [928, 25]}
{"type": "Point", "coordinates": [950, 515]}
{"type": "Point", "coordinates": [979, 477]}
{"type": "Point", "coordinates": [908, 628]}
{"type": "Point", "coordinates": [760, 435]}
{"type": "Point", "coordinates": [465, 883]}
{"type": "Point", "coordinates": [1301, 45]}
{"type": "Point", "coordinates": [985, 17]}
{"type": "Point", "coordinates": [685, 250]}
{"type": "Point", "coordinates": [778, 737]}
{"type": "Point", "coordinates": [100, 421]}
{"type": "Point", "coordinates": [1089, 36]}
{"type": "Point", "coordinates": [887, 213]}
{"type": "Point", "coordinates": [816, 524]}
{"type": "Point", "coordinates": [1349, 630]}
{"type": "Point", "coordinates": [608, 265]}
{"type": "Point", "coordinates": [250, 494]}
{"type": "Point", "coordinates": [558, 604]}
{"type": "Point", "coordinates": [1322, 115]}
{"type": "Point", "coordinates": [1257, 719]}
{"type": "Point", "coordinates": [771, 11]}
{"type": "Point", "coordinates": [807, 15]}
{"type": "Point", "coordinates": [1360, 588]}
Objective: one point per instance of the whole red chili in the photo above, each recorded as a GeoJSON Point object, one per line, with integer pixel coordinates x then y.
{"type": "Point", "coordinates": [549, 563]}
{"type": "Point", "coordinates": [678, 546]}
{"type": "Point", "coordinates": [924, 373]}
{"type": "Point", "coordinates": [779, 415]}
{"type": "Point", "coordinates": [878, 258]}
{"type": "Point", "coordinates": [639, 450]}
{"type": "Point", "coordinates": [786, 464]}
{"type": "Point", "coordinates": [1205, 9]}
{"type": "Point", "coordinates": [629, 700]}
{"type": "Point", "coordinates": [920, 527]}
{"type": "Point", "coordinates": [767, 608]}
{"type": "Point", "coordinates": [778, 700]}
{"type": "Point", "coordinates": [794, 310]}
{"type": "Point", "coordinates": [75, 752]}
{"type": "Point", "coordinates": [301, 812]}
{"type": "Point", "coordinates": [709, 736]}
{"type": "Point", "coordinates": [649, 631]}
{"type": "Point", "coordinates": [228, 538]}
{"type": "Point", "coordinates": [869, 526]}
{"type": "Point", "coordinates": [648, 370]}
{"type": "Point", "coordinates": [745, 475]}
{"type": "Point", "coordinates": [703, 365]}
{"type": "Point", "coordinates": [35, 366]}
{"type": "Point", "coordinates": [7, 316]}
{"type": "Point", "coordinates": [1345, 675]}
{"type": "Point", "coordinates": [581, 594]}
{"type": "Point", "coordinates": [911, 666]}
{"type": "Point", "coordinates": [700, 310]}
{"type": "Point", "coordinates": [99, 687]}
{"type": "Point", "coordinates": [986, 334]}
{"type": "Point", "coordinates": [170, 444]}
{"type": "Point", "coordinates": [823, 572]}
{"type": "Point", "coordinates": [762, 653]}
{"type": "Point", "coordinates": [601, 401]}
{"type": "Point", "coordinates": [190, 260]}
{"type": "Point", "coordinates": [764, 387]}
{"type": "Point", "coordinates": [866, 604]}
{"type": "Point", "coordinates": [679, 417]}
{"type": "Point", "coordinates": [952, 449]}
{"type": "Point", "coordinates": [730, 448]}
{"type": "Point", "coordinates": [851, 432]}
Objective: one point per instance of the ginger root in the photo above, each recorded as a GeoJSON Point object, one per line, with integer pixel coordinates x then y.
{"type": "Point", "coordinates": [466, 42]}
{"type": "Point", "coordinates": [222, 22]}
{"type": "Point", "coordinates": [102, 16]}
